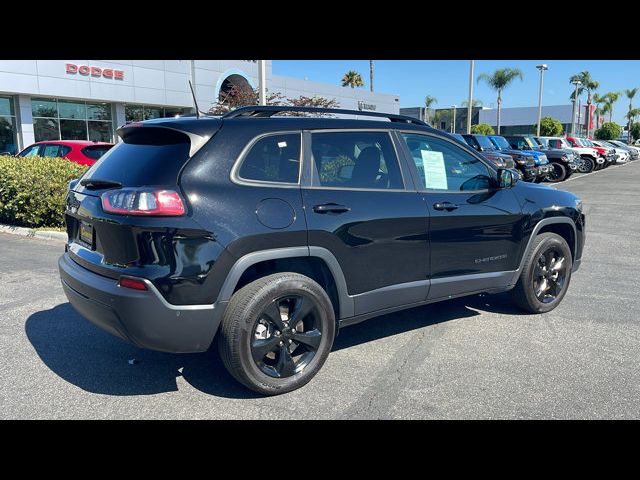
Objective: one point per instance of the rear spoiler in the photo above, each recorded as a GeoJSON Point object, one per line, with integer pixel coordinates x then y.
{"type": "Point", "coordinates": [169, 130]}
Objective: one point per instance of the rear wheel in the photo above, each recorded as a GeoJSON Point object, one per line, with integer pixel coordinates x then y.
{"type": "Point", "coordinates": [277, 332]}
{"type": "Point", "coordinates": [545, 276]}
{"type": "Point", "coordinates": [558, 172]}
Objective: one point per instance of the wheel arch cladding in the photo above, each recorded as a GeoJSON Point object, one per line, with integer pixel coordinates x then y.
{"type": "Point", "coordinates": [565, 231]}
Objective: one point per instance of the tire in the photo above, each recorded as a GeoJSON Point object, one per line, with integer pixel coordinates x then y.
{"type": "Point", "coordinates": [524, 293]}
{"type": "Point", "coordinates": [588, 164]}
{"type": "Point", "coordinates": [558, 173]}
{"type": "Point", "coordinates": [250, 327]}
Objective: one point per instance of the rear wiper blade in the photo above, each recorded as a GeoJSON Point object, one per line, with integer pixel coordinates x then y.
{"type": "Point", "coordinates": [95, 183]}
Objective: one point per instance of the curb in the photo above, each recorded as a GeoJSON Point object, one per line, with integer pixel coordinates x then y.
{"type": "Point", "coordinates": [29, 232]}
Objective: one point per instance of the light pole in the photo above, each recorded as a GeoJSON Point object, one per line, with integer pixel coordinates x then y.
{"type": "Point", "coordinates": [577, 83]}
{"type": "Point", "coordinates": [542, 67]}
{"type": "Point", "coordinates": [470, 106]}
{"type": "Point", "coordinates": [262, 82]}
{"type": "Point", "coordinates": [453, 124]}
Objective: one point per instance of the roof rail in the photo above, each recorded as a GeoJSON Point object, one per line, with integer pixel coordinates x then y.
{"type": "Point", "coordinates": [261, 111]}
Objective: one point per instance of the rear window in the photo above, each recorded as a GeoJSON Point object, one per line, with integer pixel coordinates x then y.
{"type": "Point", "coordinates": [145, 158]}
{"type": "Point", "coordinates": [95, 152]}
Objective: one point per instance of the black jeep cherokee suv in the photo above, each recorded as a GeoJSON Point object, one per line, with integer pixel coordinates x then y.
{"type": "Point", "coordinates": [272, 232]}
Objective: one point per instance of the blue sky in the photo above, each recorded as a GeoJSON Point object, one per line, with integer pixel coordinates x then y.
{"type": "Point", "coordinates": [447, 80]}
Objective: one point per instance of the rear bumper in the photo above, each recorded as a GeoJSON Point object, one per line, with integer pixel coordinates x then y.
{"type": "Point", "coordinates": [143, 318]}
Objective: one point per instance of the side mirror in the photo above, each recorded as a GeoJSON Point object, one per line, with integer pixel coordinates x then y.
{"type": "Point", "coordinates": [506, 178]}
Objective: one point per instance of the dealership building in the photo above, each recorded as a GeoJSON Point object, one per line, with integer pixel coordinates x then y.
{"type": "Point", "coordinates": [89, 99]}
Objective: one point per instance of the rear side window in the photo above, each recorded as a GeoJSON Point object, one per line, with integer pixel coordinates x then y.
{"type": "Point", "coordinates": [95, 152]}
{"type": "Point", "coordinates": [355, 160]}
{"type": "Point", "coordinates": [275, 158]}
{"type": "Point", "coordinates": [151, 156]}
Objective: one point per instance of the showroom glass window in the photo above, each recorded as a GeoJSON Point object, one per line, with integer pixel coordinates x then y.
{"type": "Point", "coordinates": [55, 119]}
{"type": "Point", "coordinates": [138, 113]}
{"type": "Point", "coordinates": [8, 137]}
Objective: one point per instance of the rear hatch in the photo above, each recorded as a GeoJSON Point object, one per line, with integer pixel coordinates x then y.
{"type": "Point", "coordinates": [147, 161]}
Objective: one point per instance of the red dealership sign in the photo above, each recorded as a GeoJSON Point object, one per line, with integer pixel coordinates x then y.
{"type": "Point", "coordinates": [86, 70]}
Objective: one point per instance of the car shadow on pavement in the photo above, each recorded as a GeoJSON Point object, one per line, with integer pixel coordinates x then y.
{"type": "Point", "coordinates": [97, 362]}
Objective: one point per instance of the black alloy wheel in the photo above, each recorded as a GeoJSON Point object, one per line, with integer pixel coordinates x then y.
{"type": "Point", "coordinates": [286, 336]}
{"type": "Point", "coordinates": [277, 332]}
{"type": "Point", "coordinates": [558, 172]}
{"type": "Point", "coordinates": [549, 275]}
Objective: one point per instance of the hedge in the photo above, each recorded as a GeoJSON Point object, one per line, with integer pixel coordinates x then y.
{"type": "Point", "coordinates": [33, 190]}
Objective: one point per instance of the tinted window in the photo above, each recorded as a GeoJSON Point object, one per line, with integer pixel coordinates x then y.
{"type": "Point", "coordinates": [445, 166]}
{"type": "Point", "coordinates": [51, 150]}
{"type": "Point", "coordinates": [275, 158]}
{"type": "Point", "coordinates": [519, 143]}
{"type": "Point", "coordinates": [150, 156]}
{"type": "Point", "coordinates": [96, 151]}
{"type": "Point", "coordinates": [31, 151]}
{"type": "Point", "coordinates": [355, 160]}
{"type": "Point", "coordinates": [484, 142]}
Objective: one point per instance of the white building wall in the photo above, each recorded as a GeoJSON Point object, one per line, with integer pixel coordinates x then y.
{"type": "Point", "coordinates": [158, 83]}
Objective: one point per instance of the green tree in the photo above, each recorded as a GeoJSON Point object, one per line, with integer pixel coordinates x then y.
{"type": "Point", "coordinates": [630, 93]}
{"type": "Point", "coordinates": [352, 79]}
{"type": "Point", "coordinates": [610, 98]}
{"type": "Point", "coordinates": [549, 127]}
{"type": "Point", "coordinates": [498, 81]}
{"type": "Point", "coordinates": [588, 84]}
{"type": "Point", "coordinates": [635, 130]}
{"type": "Point", "coordinates": [429, 101]}
{"type": "Point", "coordinates": [474, 103]}
{"type": "Point", "coordinates": [598, 100]}
{"type": "Point", "coordinates": [631, 116]}
{"type": "Point", "coordinates": [608, 131]}
{"type": "Point", "coordinates": [482, 129]}
{"type": "Point", "coordinates": [435, 120]}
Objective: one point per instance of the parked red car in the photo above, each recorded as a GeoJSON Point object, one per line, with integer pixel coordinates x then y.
{"type": "Point", "coordinates": [79, 151]}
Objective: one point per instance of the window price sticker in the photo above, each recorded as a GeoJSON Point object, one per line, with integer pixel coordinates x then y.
{"type": "Point", "coordinates": [434, 172]}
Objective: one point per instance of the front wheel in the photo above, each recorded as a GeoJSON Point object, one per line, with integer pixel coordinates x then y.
{"type": "Point", "coordinates": [545, 275]}
{"type": "Point", "coordinates": [558, 172]}
{"type": "Point", "coordinates": [587, 165]}
{"type": "Point", "coordinates": [277, 332]}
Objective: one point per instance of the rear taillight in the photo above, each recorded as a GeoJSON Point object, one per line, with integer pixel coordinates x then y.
{"type": "Point", "coordinates": [138, 201]}
{"type": "Point", "coordinates": [132, 283]}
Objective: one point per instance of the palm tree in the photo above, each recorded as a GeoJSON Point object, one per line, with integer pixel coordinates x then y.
{"type": "Point", "coordinates": [588, 84]}
{"type": "Point", "coordinates": [606, 108]}
{"type": "Point", "coordinates": [630, 93]}
{"type": "Point", "coordinates": [428, 102]}
{"type": "Point", "coordinates": [597, 100]}
{"type": "Point", "coordinates": [437, 116]}
{"type": "Point", "coordinates": [631, 115]}
{"type": "Point", "coordinates": [352, 79]}
{"type": "Point", "coordinates": [371, 75]}
{"type": "Point", "coordinates": [498, 81]}
{"type": "Point", "coordinates": [474, 103]}
{"type": "Point", "coordinates": [610, 99]}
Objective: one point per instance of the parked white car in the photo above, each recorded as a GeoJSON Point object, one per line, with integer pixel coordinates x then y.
{"type": "Point", "coordinates": [622, 156]}
{"type": "Point", "coordinates": [635, 151]}
{"type": "Point", "coordinates": [588, 155]}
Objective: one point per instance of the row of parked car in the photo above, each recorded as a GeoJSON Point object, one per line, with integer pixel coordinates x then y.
{"type": "Point", "coordinates": [551, 159]}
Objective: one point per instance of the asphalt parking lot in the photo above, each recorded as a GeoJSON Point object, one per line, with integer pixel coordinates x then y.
{"type": "Point", "coordinates": [468, 358]}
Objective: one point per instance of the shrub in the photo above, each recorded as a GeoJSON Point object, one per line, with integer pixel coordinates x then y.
{"type": "Point", "coordinates": [482, 129]}
{"type": "Point", "coordinates": [608, 131]}
{"type": "Point", "coordinates": [549, 127]}
{"type": "Point", "coordinates": [33, 190]}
